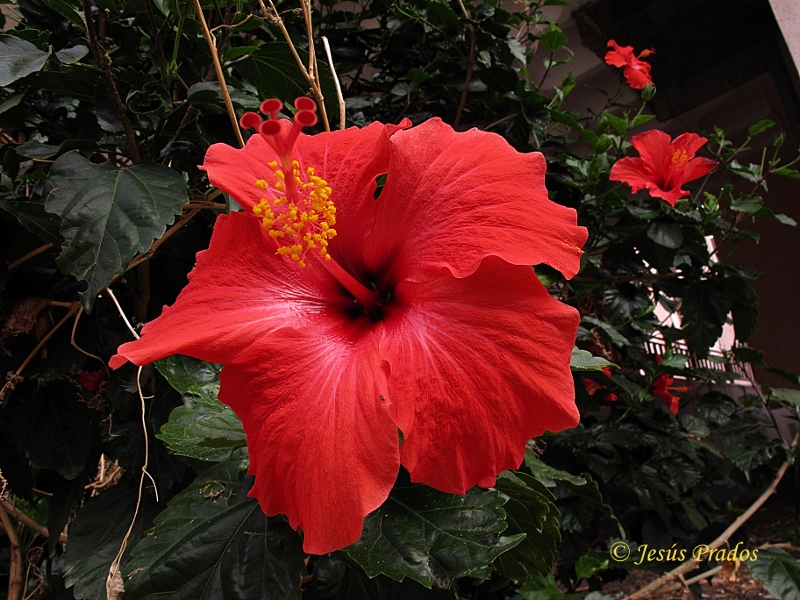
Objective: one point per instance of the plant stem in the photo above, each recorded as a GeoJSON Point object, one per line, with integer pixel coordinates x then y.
{"type": "Point", "coordinates": [16, 570]}
{"type": "Point", "coordinates": [104, 65]}
{"type": "Point", "coordinates": [223, 87]}
{"type": "Point", "coordinates": [470, 66]}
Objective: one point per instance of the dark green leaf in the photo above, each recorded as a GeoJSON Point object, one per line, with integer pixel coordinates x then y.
{"type": "Point", "coordinates": [760, 127]}
{"type": "Point", "coordinates": [213, 543]}
{"type": "Point", "coordinates": [608, 331]}
{"type": "Point", "coordinates": [547, 475]}
{"type": "Point", "coordinates": [641, 120]}
{"type": "Point", "coordinates": [187, 374]}
{"type": "Point", "coordinates": [36, 149]}
{"type": "Point", "coordinates": [442, 15]}
{"type": "Point", "coordinates": [778, 572]}
{"type": "Point", "coordinates": [744, 306]}
{"type": "Point", "coordinates": [19, 58]}
{"type": "Point", "coordinates": [529, 510]}
{"type": "Point", "coordinates": [95, 537]}
{"type": "Point", "coordinates": [72, 55]}
{"type": "Point", "coordinates": [787, 172]}
{"type": "Point", "coordinates": [588, 565]}
{"type": "Point", "coordinates": [544, 587]}
{"type": "Point", "coordinates": [203, 428]}
{"type": "Point", "coordinates": [274, 72]}
{"type": "Point", "coordinates": [666, 233]}
{"type": "Point", "coordinates": [581, 360]}
{"type": "Point", "coordinates": [747, 203]}
{"type": "Point", "coordinates": [66, 11]}
{"type": "Point", "coordinates": [33, 217]}
{"type": "Point", "coordinates": [786, 396]}
{"type": "Point", "coordinates": [621, 125]}
{"type": "Point", "coordinates": [704, 310]}
{"type": "Point", "coordinates": [554, 39]}
{"type": "Point", "coordinates": [109, 215]}
{"type": "Point", "coordinates": [56, 429]}
{"type": "Point", "coordinates": [780, 217]}
{"type": "Point", "coordinates": [433, 537]}
{"type": "Point", "coordinates": [625, 302]}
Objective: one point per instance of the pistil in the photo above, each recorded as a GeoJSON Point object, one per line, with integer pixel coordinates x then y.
{"type": "Point", "coordinates": [366, 298]}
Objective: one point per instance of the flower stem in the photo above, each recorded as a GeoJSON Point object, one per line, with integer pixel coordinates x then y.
{"type": "Point", "coordinates": [368, 299]}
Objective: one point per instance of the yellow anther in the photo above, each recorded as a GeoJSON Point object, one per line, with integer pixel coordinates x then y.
{"type": "Point", "coordinates": [301, 215]}
{"type": "Point", "coordinates": [679, 158]}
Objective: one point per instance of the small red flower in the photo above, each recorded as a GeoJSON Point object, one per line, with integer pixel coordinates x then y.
{"type": "Point", "coordinates": [662, 386]}
{"type": "Point", "coordinates": [636, 71]}
{"type": "Point", "coordinates": [342, 319]}
{"type": "Point", "coordinates": [592, 387]}
{"type": "Point", "coordinates": [607, 371]}
{"type": "Point", "coordinates": [91, 380]}
{"type": "Point", "coordinates": [664, 165]}
{"type": "Point", "coordinates": [610, 398]}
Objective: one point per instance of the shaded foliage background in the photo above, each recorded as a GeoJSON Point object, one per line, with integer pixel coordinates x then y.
{"type": "Point", "coordinates": [107, 108]}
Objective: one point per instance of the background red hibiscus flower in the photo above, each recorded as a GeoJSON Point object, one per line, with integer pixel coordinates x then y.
{"type": "Point", "coordinates": [664, 165]}
{"type": "Point", "coordinates": [636, 71]}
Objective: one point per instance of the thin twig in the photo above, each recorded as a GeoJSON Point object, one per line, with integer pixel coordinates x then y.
{"type": "Point", "coordinates": [16, 376]}
{"type": "Point", "coordinates": [26, 520]}
{"type": "Point", "coordinates": [310, 73]}
{"type": "Point", "coordinates": [78, 348]}
{"type": "Point", "coordinates": [16, 570]}
{"type": "Point", "coordinates": [151, 17]}
{"type": "Point", "coordinates": [339, 96]}
{"type": "Point", "coordinates": [29, 255]}
{"type": "Point", "coordinates": [212, 47]}
{"type": "Point", "coordinates": [104, 65]}
{"type": "Point", "coordinates": [470, 66]}
{"type": "Point", "coordinates": [114, 584]}
{"type": "Point", "coordinates": [690, 565]}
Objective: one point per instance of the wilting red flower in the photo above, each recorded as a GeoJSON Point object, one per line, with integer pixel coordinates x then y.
{"type": "Point", "coordinates": [664, 165]}
{"type": "Point", "coordinates": [342, 319]}
{"type": "Point", "coordinates": [662, 386]}
{"type": "Point", "coordinates": [636, 71]}
{"type": "Point", "coordinates": [91, 380]}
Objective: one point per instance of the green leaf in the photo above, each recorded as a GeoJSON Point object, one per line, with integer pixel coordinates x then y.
{"type": "Point", "coordinates": [787, 172]}
{"type": "Point", "coordinates": [72, 55]}
{"type": "Point", "coordinates": [703, 311]}
{"type": "Point", "coordinates": [747, 203]}
{"type": "Point", "coordinates": [666, 233]}
{"type": "Point", "coordinates": [441, 15]}
{"type": "Point", "coordinates": [55, 429]}
{"type": "Point", "coordinates": [187, 374]}
{"type": "Point", "coordinates": [66, 11]}
{"type": "Point", "coordinates": [36, 149]}
{"type": "Point", "coordinates": [19, 58]}
{"type": "Point", "coordinates": [544, 587]}
{"type": "Point", "coordinates": [548, 475]}
{"type": "Point", "coordinates": [272, 69]}
{"type": "Point", "coordinates": [588, 565]}
{"type": "Point", "coordinates": [433, 537]}
{"type": "Point", "coordinates": [109, 215]}
{"type": "Point", "coordinates": [582, 360]}
{"type": "Point", "coordinates": [621, 125]}
{"type": "Point", "coordinates": [641, 120]}
{"type": "Point", "coordinates": [760, 127]}
{"type": "Point", "coordinates": [554, 39]}
{"type": "Point", "coordinates": [778, 572]}
{"type": "Point", "coordinates": [744, 306]}
{"type": "Point", "coordinates": [96, 534]}
{"type": "Point", "coordinates": [780, 217]}
{"type": "Point", "coordinates": [674, 361]}
{"type": "Point", "coordinates": [786, 396]}
{"type": "Point", "coordinates": [530, 511]}
{"type": "Point", "coordinates": [33, 217]}
{"type": "Point", "coordinates": [608, 331]}
{"type": "Point", "coordinates": [203, 428]}
{"type": "Point", "coordinates": [212, 542]}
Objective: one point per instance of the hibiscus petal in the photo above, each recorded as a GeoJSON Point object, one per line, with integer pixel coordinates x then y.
{"type": "Point", "coordinates": [637, 74]}
{"type": "Point", "coordinates": [689, 142]}
{"type": "Point", "coordinates": [618, 56]}
{"type": "Point", "coordinates": [671, 196]}
{"type": "Point", "coordinates": [478, 366]}
{"type": "Point", "coordinates": [698, 167]}
{"type": "Point", "coordinates": [452, 199]}
{"type": "Point", "coordinates": [323, 446]}
{"type": "Point", "coordinates": [653, 147]}
{"type": "Point", "coordinates": [239, 292]}
{"type": "Point", "coordinates": [349, 161]}
{"type": "Point", "coordinates": [631, 171]}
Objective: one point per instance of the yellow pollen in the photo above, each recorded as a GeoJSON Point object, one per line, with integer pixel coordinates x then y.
{"type": "Point", "coordinates": [679, 158]}
{"type": "Point", "coordinates": [297, 210]}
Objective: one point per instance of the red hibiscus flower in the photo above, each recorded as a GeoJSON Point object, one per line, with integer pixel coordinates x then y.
{"type": "Point", "coordinates": [636, 71]}
{"type": "Point", "coordinates": [662, 386]}
{"type": "Point", "coordinates": [664, 165]}
{"type": "Point", "coordinates": [91, 380]}
{"type": "Point", "coordinates": [342, 319]}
